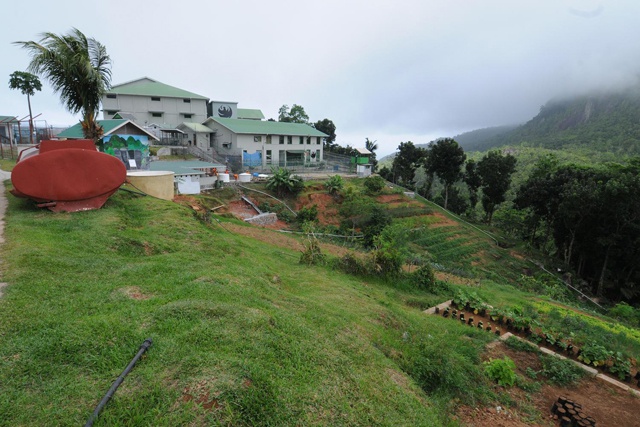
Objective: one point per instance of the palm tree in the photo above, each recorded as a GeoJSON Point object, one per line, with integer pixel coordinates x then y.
{"type": "Point", "coordinates": [372, 146]}
{"type": "Point", "coordinates": [78, 68]}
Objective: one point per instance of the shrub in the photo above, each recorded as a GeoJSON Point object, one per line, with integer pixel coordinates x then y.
{"type": "Point", "coordinates": [307, 214]}
{"type": "Point", "coordinates": [311, 254]}
{"type": "Point", "coordinates": [282, 182]}
{"type": "Point", "coordinates": [387, 261]}
{"type": "Point", "coordinates": [625, 312]}
{"type": "Point", "coordinates": [334, 184]}
{"type": "Point", "coordinates": [374, 184]}
{"type": "Point", "coordinates": [352, 265]}
{"type": "Point", "coordinates": [501, 370]}
{"type": "Point", "coordinates": [560, 371]}
{"type": "Point", "coordinates": [424, 278]}
{"type": "Point", "coordinates": [374, 225]}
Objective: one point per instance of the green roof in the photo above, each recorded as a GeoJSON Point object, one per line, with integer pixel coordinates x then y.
{"type": "Point", "coordinates": [149, 87]}
{"type": "Point", "coordinates": [109, 126]}
{"type": "Point", "coordinates": [250, 113]}
{"type": "Point", "coordinates": [194, 127]}
{"type": "Point", "coordinates": [5, 119]}
{"type": "Point", "coordinates": [260, 127]}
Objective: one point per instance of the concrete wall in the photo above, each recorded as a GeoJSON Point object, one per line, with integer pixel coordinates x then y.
{"type": "Point", "coordinates": [173, 110]}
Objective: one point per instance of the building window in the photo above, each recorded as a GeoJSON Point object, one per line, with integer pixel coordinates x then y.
{"type": "Point", "coordinates": [111, 96]}
{"type": "Point", "coordinates": [186, 101]}
{"type": "Point", "coordinates": [187, 116]}
{"type": "Point", "coordinates": [111, 112]}
{"type": "Point", "coordinates": [281, 139]}
{"type": "Point", "coordinates": [301, 139]}
{"type": "Point", "coordinates": [257, 138]}
{"type": "Point", "coordinates": [268, 139]}
{"type": "Point", "coordinates": [289, 139]}
{"type": "Point", "coordinates": [318, 156]}
{"type": "Point", "coordinates": [156, 114]}
{"type": "Point", "coordinates": [155, 98]}
{"type": "Point", "coordinates": [318, 139]}
{"type": "Point", "coordinates": [308, 140]}
{"type": "Point", "coordinates": [268, 157]}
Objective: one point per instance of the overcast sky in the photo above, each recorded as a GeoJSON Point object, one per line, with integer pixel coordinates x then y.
{"type": "Point", "coordinates": [390, 71]}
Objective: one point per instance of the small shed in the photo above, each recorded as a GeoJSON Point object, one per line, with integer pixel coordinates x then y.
{"type": "Point", "coordinates": [361, 162]}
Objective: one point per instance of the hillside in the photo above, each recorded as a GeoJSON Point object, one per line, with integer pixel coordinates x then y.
{"type": "Point", "coordinates": [470, 141]}
{"type": "Point", "coordinates": [246, 335]}
{"type": "Point", "coordinates": [599, 123]}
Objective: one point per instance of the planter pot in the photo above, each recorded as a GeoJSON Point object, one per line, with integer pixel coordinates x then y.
{"type": "Point", "coordinates": [498, 332]}
{"type": "Point", "coordinates": [437, 310]}
{"type": "Point", "coordinates": [483, 312]}
{"type": "Point", "coordinates": [470, 320]}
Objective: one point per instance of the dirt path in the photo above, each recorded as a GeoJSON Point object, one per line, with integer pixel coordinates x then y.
{"type": "Point", "coordinates": [3, 208]}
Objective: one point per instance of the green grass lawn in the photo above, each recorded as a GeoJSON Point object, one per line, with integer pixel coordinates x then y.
{"type": "Point", "coordinates": [243, 334]}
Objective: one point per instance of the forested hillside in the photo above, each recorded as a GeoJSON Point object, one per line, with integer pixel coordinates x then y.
{"type": "Point", "coordinates": [603, 122]}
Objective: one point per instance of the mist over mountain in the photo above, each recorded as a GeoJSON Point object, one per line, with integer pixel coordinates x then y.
{"type": "Point", "coordinates": [603, 122]}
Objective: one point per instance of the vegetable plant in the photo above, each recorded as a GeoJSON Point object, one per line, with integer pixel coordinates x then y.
{"type": "Point", "coordinates": [501, 370]}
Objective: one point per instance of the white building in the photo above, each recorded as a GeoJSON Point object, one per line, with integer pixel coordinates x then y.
{"type": "Point", "coordinates": [152, 102]}
{"type": "Point", "coordinates": [265, 142]}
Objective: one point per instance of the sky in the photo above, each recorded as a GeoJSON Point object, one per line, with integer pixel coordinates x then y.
{"type": "Point", "coordinates": [391, 71]}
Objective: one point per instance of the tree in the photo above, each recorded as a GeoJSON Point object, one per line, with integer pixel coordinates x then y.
{"type": "Point", "coordinates": [372, 146]}
{"type": "Point", "coordinates": [495, 171]}
{"type": "Point", "coordinates": [327, 126]}
{"type": "Point", "coordinates": [445, 159]}
{"type": "Point", "coordinates": [78, 68]}
{"type": "Point", "coordinates": [473, 181]}
{"type": "Point", "coordinates": [405, 163]}
{"type": "Point", "coordinates": [295, 115]}
{"type": "Point", "coordinates": [28, 84]}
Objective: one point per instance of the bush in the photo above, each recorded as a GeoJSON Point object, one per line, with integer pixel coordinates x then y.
{"type": "Point", "coordinates": [307, 214]}
{"type": "Point", "coordinates": [311, 254]}
{"type": "Point", "coordinates": [374, 225]}
{"type": "Point", "coordinates": [625, 312]}
{"type": "Point", "coordinates": [501, 370]}
{"type": "Point", "coordinates": [374, 184]}
{"type": "Point", "coordinates": [351, 265]}
{"type": "Point", "coordinates": [560, 371]}
{"type": "Point", "coordinates": [387, 261]}
{"type": "Point", "coordinates": [423, 278]}
{"type": "Point", "coordinates": [334, 184]}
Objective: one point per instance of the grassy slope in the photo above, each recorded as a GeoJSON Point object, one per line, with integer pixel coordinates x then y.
{"type": "Point", "coordinates": [243, 334]}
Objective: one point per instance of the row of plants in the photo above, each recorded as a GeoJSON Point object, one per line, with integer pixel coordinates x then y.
{"type": "Point", "coordinates": [526, 321]}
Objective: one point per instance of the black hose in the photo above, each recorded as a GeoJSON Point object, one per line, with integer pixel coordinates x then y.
{"type": "Point", "coordinates": [145, 345]}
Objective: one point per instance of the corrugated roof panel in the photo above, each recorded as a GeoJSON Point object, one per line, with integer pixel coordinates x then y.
{"type": "Point", "coordinates": [108, 126]}
{"type": "Point", "coordinates": [250, 113]}
{"type": "Point", "coordinates": [149, 87]}
{"type": "Point", "coordinates": [260, 127]}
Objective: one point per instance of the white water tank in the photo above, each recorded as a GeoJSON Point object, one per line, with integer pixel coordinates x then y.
{"type": "Point", "coordinates": [244, 177]}
{"type": "Point", "coordinates": [223, 177]}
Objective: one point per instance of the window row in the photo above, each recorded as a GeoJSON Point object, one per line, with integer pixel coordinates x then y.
{"type": "Point", "coordinates": [300, 139]}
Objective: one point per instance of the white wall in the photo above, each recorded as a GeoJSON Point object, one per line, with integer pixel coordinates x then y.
{"type": "Point", "coordinates": [172, 109]}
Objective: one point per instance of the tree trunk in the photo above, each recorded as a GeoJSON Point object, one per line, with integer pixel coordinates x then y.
{"type": "Point", "coordinates": [446, 196]}
{"type": "Point", "coordinates": [30, 120]}
{"type": "Point", "coordinates": [604, 268]}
